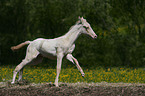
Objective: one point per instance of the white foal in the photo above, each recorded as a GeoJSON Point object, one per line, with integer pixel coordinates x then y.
{"type": "Point", "coordinates": [55, 48]}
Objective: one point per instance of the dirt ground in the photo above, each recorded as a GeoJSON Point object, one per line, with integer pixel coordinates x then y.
{"type": "Point", "coordinates": [72, 89]}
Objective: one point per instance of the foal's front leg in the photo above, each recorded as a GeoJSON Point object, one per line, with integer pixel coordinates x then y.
{"type": "Point", "coordinates": [72, 59]}
{"type": "Point", "coordinates": [59, 62]}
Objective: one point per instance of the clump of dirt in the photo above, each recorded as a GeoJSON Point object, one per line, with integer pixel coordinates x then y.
{"type": "Point", "coordinates": [73, 89]}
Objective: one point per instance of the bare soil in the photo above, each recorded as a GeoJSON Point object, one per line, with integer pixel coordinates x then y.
{"type": "Point", "coordinates": [72, 89]}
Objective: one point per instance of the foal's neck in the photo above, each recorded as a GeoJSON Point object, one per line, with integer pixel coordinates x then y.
{"type": "Point", "coordinates": [73, 34]}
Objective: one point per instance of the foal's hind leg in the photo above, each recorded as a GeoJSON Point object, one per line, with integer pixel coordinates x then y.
{"type": "Point", "coordinates": [20, 74]}
{"type": "Point", "coordinates": [35, 61]}
{"type": "Point", "coordinates": [18, 68]}
{"type": "Point", "coordinates": [31, 54]}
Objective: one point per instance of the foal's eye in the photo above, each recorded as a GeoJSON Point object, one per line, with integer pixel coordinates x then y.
{"type": "Point", "coordinates": [86, 27]}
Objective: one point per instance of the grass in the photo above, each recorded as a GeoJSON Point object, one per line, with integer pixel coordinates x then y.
{"type": "Point", "coordinates": [72, 75]}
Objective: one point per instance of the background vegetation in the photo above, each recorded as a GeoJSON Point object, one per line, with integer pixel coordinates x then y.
{"type": "Point", "coordinates": [119, 24]}
{"type": "Point", "coordinates": [72, 75]}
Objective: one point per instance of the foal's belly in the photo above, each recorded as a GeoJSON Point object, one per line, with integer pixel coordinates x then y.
{"type": "Point", "coordinates": [50, 55]}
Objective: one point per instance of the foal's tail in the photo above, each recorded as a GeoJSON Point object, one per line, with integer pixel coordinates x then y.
{"type": "Point", "coordinates": [14, 48]}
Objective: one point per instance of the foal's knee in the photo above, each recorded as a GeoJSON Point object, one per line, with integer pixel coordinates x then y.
{"type": "Point", "coordinates": [17, 69]}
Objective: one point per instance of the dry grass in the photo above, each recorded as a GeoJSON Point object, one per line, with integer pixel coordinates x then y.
{"type": "Point", "coordinates": [72, 89]}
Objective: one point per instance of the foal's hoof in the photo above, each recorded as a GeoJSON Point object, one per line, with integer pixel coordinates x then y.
{"type": "Point", "coordinates": [56, 85]}
{"type": "Point", "coordinates": [12, 82]}
{"type": "Point", "coordinates": [83, 75]}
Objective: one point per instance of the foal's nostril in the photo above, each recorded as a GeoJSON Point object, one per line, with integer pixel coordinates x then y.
{"type": "Point", "coordinates": [95, 36]}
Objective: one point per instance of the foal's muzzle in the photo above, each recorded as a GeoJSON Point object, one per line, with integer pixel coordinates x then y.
{"type": "Point", "coordinates": [95, 36]}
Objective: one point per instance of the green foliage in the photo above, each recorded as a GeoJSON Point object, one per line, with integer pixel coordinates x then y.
{"type": "Point", "coordinates": [119, 25]}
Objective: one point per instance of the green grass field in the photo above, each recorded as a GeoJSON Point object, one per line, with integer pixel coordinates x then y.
{"type": "Point", "coordinates": [72, 75]}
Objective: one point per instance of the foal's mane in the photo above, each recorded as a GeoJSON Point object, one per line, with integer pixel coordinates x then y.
{"type": "Point", "coordinates": [77, 23]}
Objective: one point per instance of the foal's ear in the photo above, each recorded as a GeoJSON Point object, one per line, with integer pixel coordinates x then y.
{"type": "Point", "coordinates": [80, 21]}
{"type": "Point", "coordinates": [79, 17]}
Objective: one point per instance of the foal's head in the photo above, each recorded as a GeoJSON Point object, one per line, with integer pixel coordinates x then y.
{"type": "Point", "coordinates": [87, 28]}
